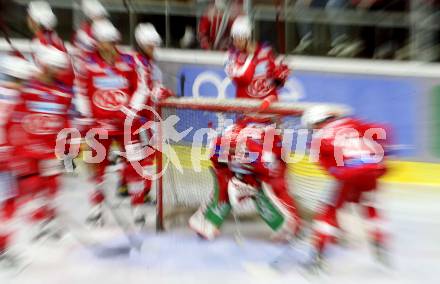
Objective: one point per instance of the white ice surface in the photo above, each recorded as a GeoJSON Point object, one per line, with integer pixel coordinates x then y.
{"type": "Point", "coordinates": [178, 256]}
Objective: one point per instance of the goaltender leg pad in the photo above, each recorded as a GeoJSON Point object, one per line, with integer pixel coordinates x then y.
{"type": "Point", "coordinates": [208, 219]}
{"type": "Point", "coordinates": [268, 211]}
{"type": "Point", "coordinates": [275, 213]}
{"type": "Point", "coordinates": [202, 226]}
{"type": "Point", "coordinates": [241, 196]}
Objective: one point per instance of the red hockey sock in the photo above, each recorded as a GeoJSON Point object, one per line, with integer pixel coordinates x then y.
{"type": "Point", "coordinates": [9, 208]}
{"type": "Point", "coordinates": [52, 185]}
{"type": "Point", "coordinates": [147, 186]}
{"type": "Point", "coordinates": [375, 231]}
{"type": "Point", "coordinates": [4, 242]}
{"type": "Point", "coordinates": [28, 185]}
{"type": "Point", "coordinates": [43, 213]}
{"type": "Point", "coordinates": [97, 197]}
{"type": "Point", "coordinates": [326, 227]}
{"type": "Point", "coordinates": [138, 198]}
{"type": "Point", "coordinates": [320, 242]}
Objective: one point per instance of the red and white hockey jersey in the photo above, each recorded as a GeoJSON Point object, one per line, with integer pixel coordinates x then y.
{"type": "Point", "coordinates": [150, 74]}
{"type": "Point", "coordinates": [41, 112]}
{"type": "Point", "coordinates": [348, 146]}
{"type": "Point", "coordinates": [51, 39]}
{"type": "Point", "coordinates": [250, 146]}
{"type": "Point", "coordinates": [150, 89]}
{"type": "Point", "coordinates": [103, 90]}
{"type": "Point", "coordinates": [48, 38]}
{"type": "Point", "coordinates": [84, 41]}
{"type": "Point", "coordinates": [215, 26]}
{"type": "Point", "coordinates": [8, 99]}
{"type": "Point", "coordinates": [255, 75]}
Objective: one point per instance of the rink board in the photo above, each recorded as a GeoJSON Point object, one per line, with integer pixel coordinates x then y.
{"type": "Point", "coordinates": [405, 172]}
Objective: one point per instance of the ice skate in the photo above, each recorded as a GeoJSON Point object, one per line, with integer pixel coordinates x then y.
{"type": "Point", "coordinates": [48, 229]}
{"type": "Point", "coordinates": [139, 216]}
{"type": "Point", "coordinates": [8, 259]}
{"type": "Point", "coordinates": [95, 217]}
{"type": "Point", "coordinates": [381, 253]}
{"type": "Point", "coordinates": [315, 265]}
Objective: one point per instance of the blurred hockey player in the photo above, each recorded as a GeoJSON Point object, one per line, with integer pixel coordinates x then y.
{"type": "Point", "coordinates": [39, 115]}
{"type": "Point", "coordinates": [83, 39]}
{"type": "Point", "coordinates": [263, 177]}
{"type": "Point", "coordinates": [42, 22]}
{"type": "Point", "coordinates": [247, 165]}
{"type": "Point", "coordinates": [14, 72]}
{"type": "Point", "coordinates": [150, 91]}
{"type": "Point", "coordinates": [252, 67]}
{"type": "Point", "coordinates": [215, 24]}
{"type": "Point", "coordinates": [352, 152]}
{"type": "Point", "coordinates": [107, 84]}
{"type": "Point", "coordinates": [85, 46]}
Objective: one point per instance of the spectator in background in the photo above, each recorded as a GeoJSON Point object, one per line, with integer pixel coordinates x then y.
{"type": "Point", "coordinates": [341, 44]}
{"type": "Point", "coordinates": [305, 30]}
{"type": "Point", "coordinates": [383, 42]}
{"type": "Point", "coordinates": [215, 24]}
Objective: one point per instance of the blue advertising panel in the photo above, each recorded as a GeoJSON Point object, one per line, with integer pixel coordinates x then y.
{"type": "Point", "coordinates": [390, 100]}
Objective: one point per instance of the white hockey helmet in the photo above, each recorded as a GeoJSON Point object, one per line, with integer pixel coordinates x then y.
{"type": "Point", "coordinates": [17, 67]}
{"type": "Point", "coordinates": [93, 9]}
{"type": "Point", "coordinates": [316, 114]}
{"type": "Point", "coordinates": [146, 34]}
{"type": "Point", "coordinates": [104, 31]}
{"type": "Point", "coordinates": [241, 28]}
{"type": "Point", "coordinates": [51, 57]}
{"type": "Point", "coordinates": [41, 13]}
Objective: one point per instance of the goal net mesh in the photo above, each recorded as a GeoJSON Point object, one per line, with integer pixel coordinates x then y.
{"type": "Point", "coordinates": [187, 183]}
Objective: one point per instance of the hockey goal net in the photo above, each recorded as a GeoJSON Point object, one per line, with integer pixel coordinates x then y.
{"type": "Point", "coordinates": [185, 180]}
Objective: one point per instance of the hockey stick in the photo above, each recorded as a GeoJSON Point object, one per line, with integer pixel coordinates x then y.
{"type": "Point", "coordinates": [97, 248]}
{"type": "Point", "coordinates": [237, 235]}
{"type": "Point", "coordinates": [124, 225]}
{"type": "Point", "coordinates": [223, 25]}
{"type": "Point", "coordinates": [287, 255]}
{"type": "Point", "coordinates": [134, 242]}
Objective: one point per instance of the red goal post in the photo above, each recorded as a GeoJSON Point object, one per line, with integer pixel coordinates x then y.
{"type": "Point", "coordinates": [189, 189]}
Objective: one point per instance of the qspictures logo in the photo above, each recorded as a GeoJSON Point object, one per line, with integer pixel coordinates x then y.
{"type": "Point", "coordinates": [238, 144]}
